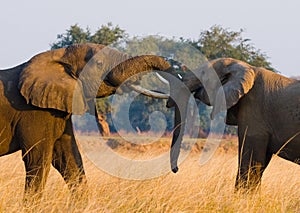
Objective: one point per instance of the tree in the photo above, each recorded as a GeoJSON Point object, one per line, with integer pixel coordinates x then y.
{"type": "Point", "coordinates": [218, 42]}
{"type": "Point", "coordinates": [74, 35]}
{"type": "Point", "coordinates": [106, 35]}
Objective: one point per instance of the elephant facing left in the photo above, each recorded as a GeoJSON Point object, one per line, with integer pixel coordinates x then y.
{"type": "Point", "coordinates": [37, 101]}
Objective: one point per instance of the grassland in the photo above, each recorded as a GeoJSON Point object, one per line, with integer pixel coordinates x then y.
{"type": "Point", "coordinates": [207, 188]}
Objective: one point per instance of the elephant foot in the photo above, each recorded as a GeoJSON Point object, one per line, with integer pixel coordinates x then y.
{"type": "Point", "coordinates": [31, 199]}
{"type": "Point", "coordinates": [248, 186]}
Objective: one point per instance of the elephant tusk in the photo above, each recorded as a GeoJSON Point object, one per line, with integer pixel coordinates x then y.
{"type": "Point", "coordinates": [149, 93]}
{"type": "Point", "coordinates": [162, 79]}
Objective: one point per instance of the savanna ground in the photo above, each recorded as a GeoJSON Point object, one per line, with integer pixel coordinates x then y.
{"type": "Point", "coordinates": [195, 188]}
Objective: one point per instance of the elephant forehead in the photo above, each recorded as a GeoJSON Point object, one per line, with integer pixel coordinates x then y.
{"type": "Point", "coordinates": [109, 57]}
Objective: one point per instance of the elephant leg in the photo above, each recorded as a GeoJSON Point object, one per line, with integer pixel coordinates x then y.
{"type": "Point", "coordinates": [67, 159]}
{"type": "Point", "coordinates": [253, 160]}
{"type": "Point", "coordinates": [37, 160]}
{"type": "Point", "coordinates": [36, 132]}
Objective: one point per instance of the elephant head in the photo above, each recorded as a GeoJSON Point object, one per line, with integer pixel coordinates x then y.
{"type": "Point", "coordinates": [55, 78]}
{"type": "Point", "coordinates": [220, 83]}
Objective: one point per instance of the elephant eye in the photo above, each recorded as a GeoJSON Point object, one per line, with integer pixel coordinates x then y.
{"type": "Point", "coordinates": [225, 79]}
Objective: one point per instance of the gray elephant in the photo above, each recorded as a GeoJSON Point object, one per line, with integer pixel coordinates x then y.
{"type": "Point", "coordinates": [38, 99]}
{"type": "Point", "coordinates": [264, 105]}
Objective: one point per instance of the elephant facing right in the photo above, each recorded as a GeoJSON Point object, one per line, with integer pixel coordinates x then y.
{"type": "Point", "coordinates": [264, 105]}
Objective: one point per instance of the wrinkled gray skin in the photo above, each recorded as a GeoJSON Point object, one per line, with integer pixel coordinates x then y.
{"type": "Point", "coordinates": [264, 105]}
{"type": "Point", "coordinates": [37, 103]}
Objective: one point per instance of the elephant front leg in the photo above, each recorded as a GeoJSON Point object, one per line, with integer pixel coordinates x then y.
{"type": "Point", "coordinates": [67, 159]}
{"type": "Point", "coordinates": [68, 162]}
{"type": "Point", "coordinates": [253, 160]}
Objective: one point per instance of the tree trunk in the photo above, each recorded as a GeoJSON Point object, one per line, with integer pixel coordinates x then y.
{"type": "Point", "coordinates": [103, 125]}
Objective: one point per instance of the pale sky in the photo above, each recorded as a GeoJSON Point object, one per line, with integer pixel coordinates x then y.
{"type": "Point", "coordinates": [28, 27]}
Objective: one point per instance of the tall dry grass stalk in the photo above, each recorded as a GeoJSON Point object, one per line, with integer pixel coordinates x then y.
{"type": "Point", "coordinates": [209, 188]}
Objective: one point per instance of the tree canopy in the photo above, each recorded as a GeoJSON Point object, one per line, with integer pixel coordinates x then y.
{"type": "Point", "coordinates": [106, 35]}
{"type": "Point", "coordinates": [218, 42]}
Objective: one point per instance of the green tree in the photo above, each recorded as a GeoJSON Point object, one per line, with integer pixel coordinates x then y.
{"type": "Point", "coordinates": [218, 42]}
{"type": "Point", "coordinates": [74, 35]}
{"type": "Point", "coordinates": [106, 35]}
{"type": "Point", "coordinates": [179, 51]}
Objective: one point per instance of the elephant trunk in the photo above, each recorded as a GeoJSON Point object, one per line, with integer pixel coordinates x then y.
{"type": "Point", "coordinates": [179, 125]}
{"type": "Point", "coordinates": [133, 66]}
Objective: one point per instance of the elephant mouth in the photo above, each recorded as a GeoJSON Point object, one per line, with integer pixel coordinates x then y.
{"type": "Point", "coordinates": [170, 103]}
{"type": "Point", "coordinates": [202, 95]}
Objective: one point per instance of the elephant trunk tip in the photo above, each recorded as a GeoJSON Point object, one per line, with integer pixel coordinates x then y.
{"type": "Point", "coordinates": [175, 169]}
{"type": "Point", "coordinates": [170, 103]}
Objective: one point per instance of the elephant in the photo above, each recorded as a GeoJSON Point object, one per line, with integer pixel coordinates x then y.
{"type": "Point", "coordinates": [37, 102]}
{"type": "Point", "coordinates": [264, 105]}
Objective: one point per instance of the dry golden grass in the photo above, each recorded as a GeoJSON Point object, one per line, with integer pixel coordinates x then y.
{"type": "Point", "coordinates": [208, 188]}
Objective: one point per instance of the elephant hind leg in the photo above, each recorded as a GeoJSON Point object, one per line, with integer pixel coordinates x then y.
{"type": "Point", "coordinates": [67, 161]}
{"type": "Point", "coordinates": [37, 160]}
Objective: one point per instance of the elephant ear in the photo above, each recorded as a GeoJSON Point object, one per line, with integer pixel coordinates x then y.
{"type": "Point", "coordinates": [45, 83]}
{"type": "Point", "coordinates": [237, 79]}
